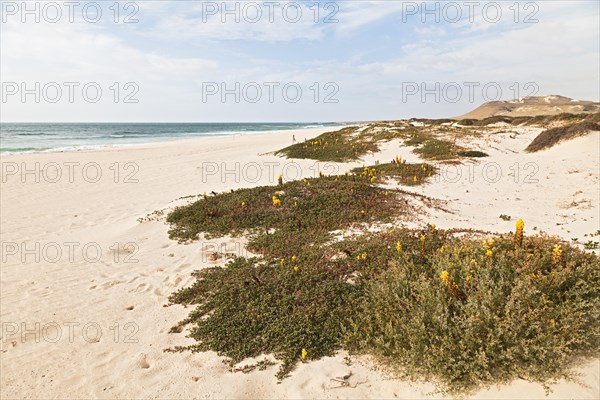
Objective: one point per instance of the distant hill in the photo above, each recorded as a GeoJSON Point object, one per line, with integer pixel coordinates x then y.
{"type": "Point", "coordinates": [532, 106]}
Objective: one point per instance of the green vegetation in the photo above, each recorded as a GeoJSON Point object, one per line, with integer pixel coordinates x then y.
{"type": "Point", "coordinates": [553, 136]}
{"type": "Point", "coordinates": [339, 146]}
{"type": "Point", "coordinates": [456, 311]}
{"type": "Point", "coordinates": [470, 314]}
{"type": "Point", "coordinates": [472, 153]}
{"type": "Point", "coordinates": [352, 143]}
{"type": "Point", "coordinates": [291, 298]}
{"type": "Point", "coordinates": [428, 304]}
{"type": "Point", "coordinates": [283, 219]}
{"type": "Point", "coordinates": [437, 149]}
{"type": "Point", "coordinates": [543, 120]}
{"type": "Point", "coordinates": [248, 308]}
{"type": "Point", "coordinates": [406, 174]}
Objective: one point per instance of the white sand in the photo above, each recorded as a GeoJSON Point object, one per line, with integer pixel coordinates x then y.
{"type": "Point", "coordinates": [74, 290]}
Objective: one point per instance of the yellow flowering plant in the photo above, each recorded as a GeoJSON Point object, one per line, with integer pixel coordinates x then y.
{"type": "Point", "coordinates": [519, 233]}
{"type": "Point", "coordinates": [556, 254]}
{"type": "Point", "coordinates": [276, 201]}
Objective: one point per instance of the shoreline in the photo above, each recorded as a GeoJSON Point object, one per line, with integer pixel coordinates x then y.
{"type": "Point", "coordinates": [100, 147]}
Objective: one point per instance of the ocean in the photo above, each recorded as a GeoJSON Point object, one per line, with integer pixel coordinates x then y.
{"type": "Point", "coordinates": [18, 138]}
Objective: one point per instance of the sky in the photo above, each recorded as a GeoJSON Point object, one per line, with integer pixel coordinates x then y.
{"type": "Point", "coordinates": [294, 61]}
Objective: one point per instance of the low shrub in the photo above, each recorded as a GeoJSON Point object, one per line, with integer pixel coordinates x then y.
{"type": "Point", "coordinates": [472, 153]}
{"type": "Point", "coordinates": [404, 173]}
{"type": "Point", "coordinates": [553, 136]}
{"type": "Point", "coordinates": [437, 149]}
{"type": "Point", "coordinates": [340, 146]}
{"type": "Point", "coordinates": [428, 304]}
{"type": "Point", "coordinates": [471, 315]}
{"type": "Point", "coordinates": [249, 308]}
{"type": "Point", "coordinates": [306, 212]}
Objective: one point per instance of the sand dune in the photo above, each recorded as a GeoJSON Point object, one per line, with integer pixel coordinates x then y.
{"type": "Point", "coordinates": [532, 106]}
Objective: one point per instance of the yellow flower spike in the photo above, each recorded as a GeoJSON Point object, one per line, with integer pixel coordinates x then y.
{"type": "Point", "coordinates": [294, 258]}
{"type": "Point", "coordinates": [489, 253]}
{"type": "Point", "coordinates": [398, 247]}
{"type": "Point", "coordinates": [243, 204]}
{"type": "Point", "coordinates": [373, 180]}
{"type": "Point", "coordinates": [364, 256]}
{"type": "Point", "coordinates": [362, 211]}
{"type": "Point", "coordinates": [433, 227]}
{"type": "Point", "coordinates": [520, 224]}
{"type": "Point", "coordinates": [468, 278]}
{"type": "Point", "coordinates": [442, 249]}
{"type": "Point", "coordinates": [386, 193]}
{"type": "Point", "coordinates": [556, 253]}
{"type": "Point", "coordinates": [304, 354]}
{"type": "Point", "coordinates": [552, 323]}
{"type": "Point", "coordinates": [415, 179]}
{"type": "Point", "coordinates": [519, 233]}
{"type": "Point", "coordinates": [358, 257]}
{"type": "Point", "coordinates": [282, 261]}
{"type": "Point", "coordinates": [296, 268]}
{"type": "Point", "coordinates": [452, 286]}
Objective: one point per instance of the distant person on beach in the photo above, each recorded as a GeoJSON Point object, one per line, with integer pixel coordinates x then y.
{"type": "Point", "coordinates": [293, 138]}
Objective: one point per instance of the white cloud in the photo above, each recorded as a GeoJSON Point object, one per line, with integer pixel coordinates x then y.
{"type": "Point", "coordinates": [560, 53]}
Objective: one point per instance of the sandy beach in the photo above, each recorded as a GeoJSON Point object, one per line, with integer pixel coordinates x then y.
{"type": "Point", "coordinates": [86, 319]}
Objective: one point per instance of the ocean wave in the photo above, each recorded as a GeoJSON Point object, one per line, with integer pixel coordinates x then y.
{"type": "Point", "coordinates": [77, 137]}
{"type": "Point", "coordinates": [21, 150]}
{"type": "Point", "coordinates": [34, 134]}
{"type": "Point", "coordinates": [313, 126]}
{"type": "Point", "coordinates": [127, 136]}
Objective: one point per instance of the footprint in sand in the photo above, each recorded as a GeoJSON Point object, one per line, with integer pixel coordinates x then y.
{"type": "Point", "coordinates": [182, 267]}
{"type": "Point", "coordinates": [142, 362]}
{"type": "Point", "coordinates": [110, 284]}
{"type": "Point", "coordinates": [129, 308]}
{"type": "Point", "coordinates": [142, 287]}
